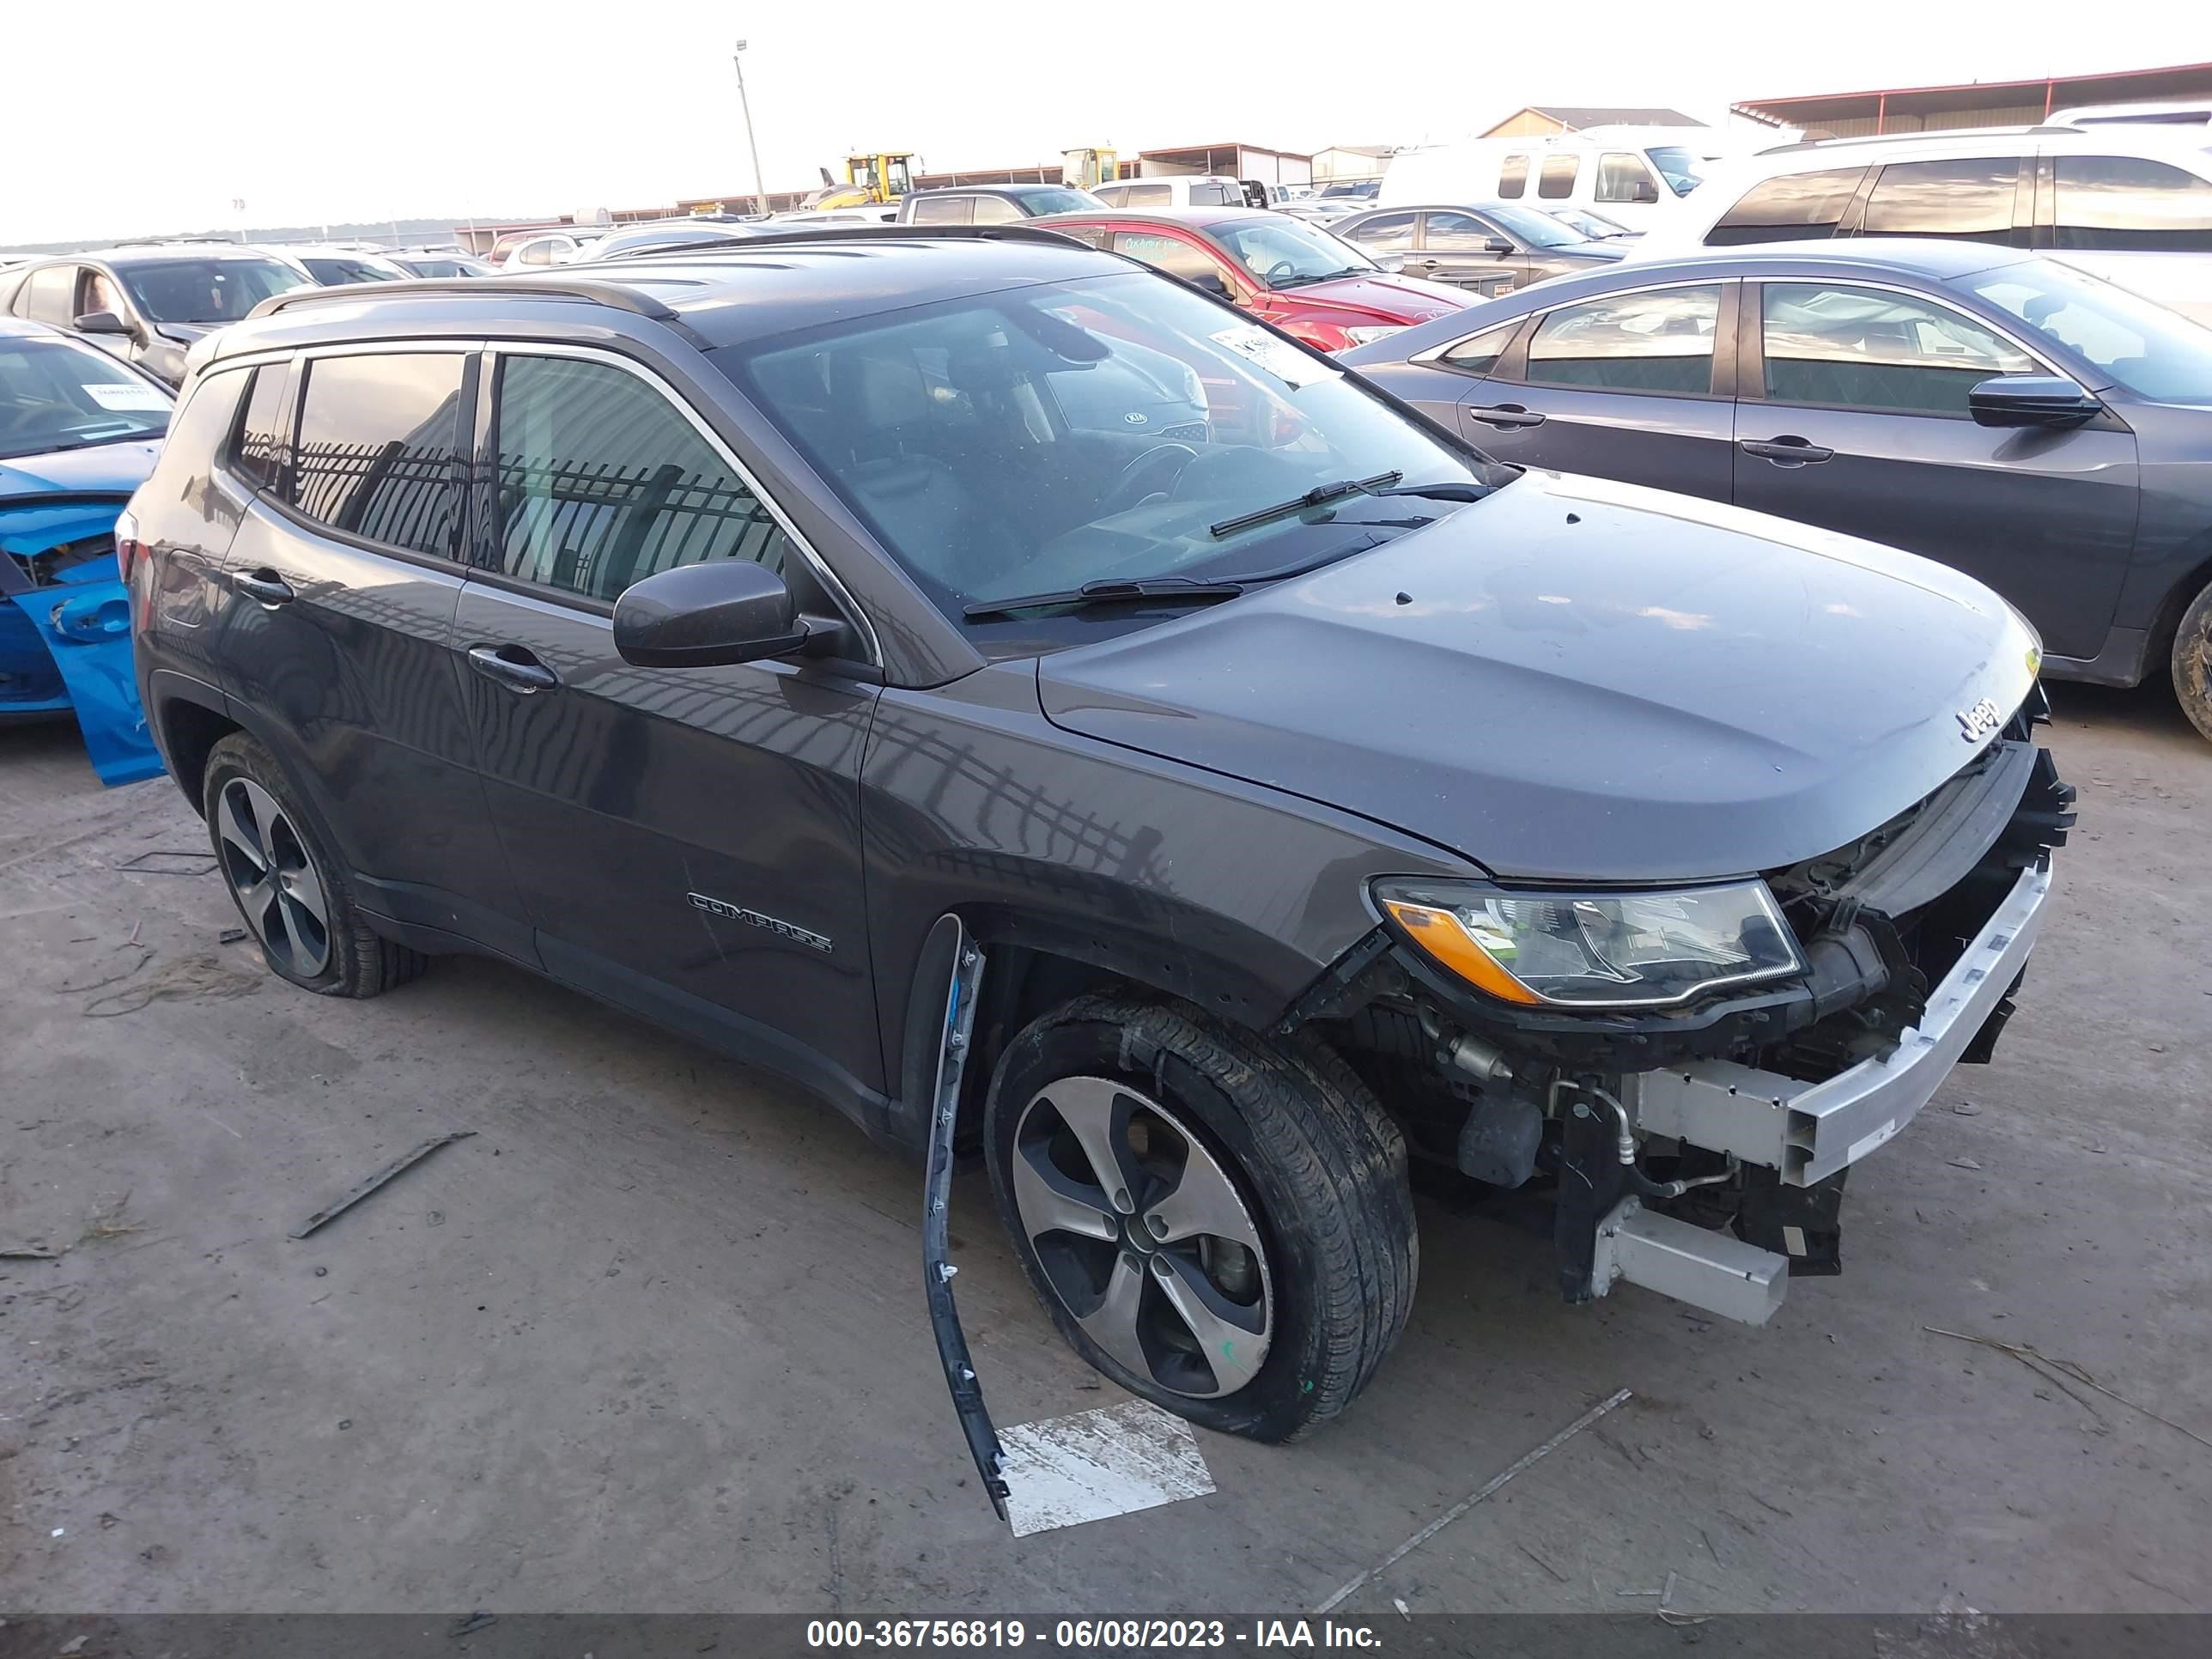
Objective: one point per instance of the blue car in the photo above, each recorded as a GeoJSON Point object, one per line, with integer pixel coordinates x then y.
{"type": "Point", "coordinates": [79, 431]}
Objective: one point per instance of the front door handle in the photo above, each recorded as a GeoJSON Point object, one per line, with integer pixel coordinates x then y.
{"type": "Point", "coordinates": [512, 666]}
{"type": "Point", "coordinates": [1784, 451]}
{"type": "Point", "coordinates": [1426, 264]}
{"type": "Point", "coordinates": [264, 584]}
{"type": "Point", "coordinates": [1503, 416]}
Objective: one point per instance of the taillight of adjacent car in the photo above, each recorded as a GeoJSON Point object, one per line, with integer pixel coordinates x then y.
{"type": "Point", "coordinates": [128, 549]}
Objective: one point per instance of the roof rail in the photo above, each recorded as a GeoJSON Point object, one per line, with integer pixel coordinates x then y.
{"type": "Point", "coordinates": [1905, 137]}
{"type": "Point", "coordinates": [563, 287]}
{"type": "Point", "coordinates": [1015, 231]}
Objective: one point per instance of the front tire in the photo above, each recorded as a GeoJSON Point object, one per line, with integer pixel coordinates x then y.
{"type": "Point", "coordinates": [1221, 1225]}
{"type": "Point", "coordinates": [2192, 662]}
{"type": "Point", "coordinates": [296, 898]}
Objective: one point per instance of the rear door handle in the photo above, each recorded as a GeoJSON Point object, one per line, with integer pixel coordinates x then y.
{"type": "Point", "coordinates": [264, 585]}
{"type": "Point", "coordinates": [512, 666]}
{"type": "Point", "coordinates": [1503, 416]}
{"type": "Point", "coordinates": [1784, 451]}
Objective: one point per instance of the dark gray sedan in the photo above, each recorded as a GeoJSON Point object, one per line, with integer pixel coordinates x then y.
{"type": "Point", "coordinates": [1493, 247]}
{"type": "Point", "coordinates": [2013, 416]}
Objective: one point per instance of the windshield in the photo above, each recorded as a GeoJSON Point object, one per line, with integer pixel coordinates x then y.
{"type": "Point", "coordinates": [1040, 438]}
{"type": "Point", "coordinates": [1283, 252]}
{"type": "Point", "coordinates": [55, 394]}
{"type": "Point", "coordinates": [1056, 199]}
{"type": "Point", "coordinates": [1677, 167]}
{"type": "Point", "coordinates": [1535, 228]}
{"type": "Point", "coordinates": [2150, 350]}
{"type": "Point", "coordinates": [206, 290]}
{"type": "Point", "coordinates": [436, 267]}
{"type": "Point", "coordinates": [328, 268]}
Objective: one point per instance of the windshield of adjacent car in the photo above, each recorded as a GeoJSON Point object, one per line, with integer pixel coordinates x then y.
{"type": "Point", "coordinates": [329, 268]}
{"type": "Point", "coordinates": [1285, 252]}
{"type": "Point", "coordinates": [55, 394]}
{"type": "Point", "coordinates": [1035, 439]}
{"type": "Point", "coordinates": [1677, 167]}
{"type": "Point", "coordinates": [1537, 228]}
{"type": "Point", "coordinates": [206, 290]}
{"type": "Point", "coordinates": [2150, 350]}
{"type": "Point", "coordinates": [1057, 199]}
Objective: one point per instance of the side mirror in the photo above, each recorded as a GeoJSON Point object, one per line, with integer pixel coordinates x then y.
{"type": "Point", "coordinates": [101, 322]}
{"type": "Point", "coordinates": [1497, 245]}
{"type": "Point", "coordinates": [705, 616]}
{"type": "Point", "coordinates": [1214, 284]}
{"type": "Point", "coordinates": [1645, 191]}
{"type": "Point", "coordinates": [2031, 400]}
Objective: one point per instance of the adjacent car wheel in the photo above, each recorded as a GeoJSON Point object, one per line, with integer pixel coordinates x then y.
{"type": "Point", "coordinates": [292, 894]}
{"type": "Point", "coordinates": [1220, 1225]}
{"type": "Point", "coordinates": [2192, 662]}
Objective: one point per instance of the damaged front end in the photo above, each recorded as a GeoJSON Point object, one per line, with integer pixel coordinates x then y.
{"type": "Point", "coordinates": [66, 629]}
{"type": "Point", "coordinates": [1698, 1145]}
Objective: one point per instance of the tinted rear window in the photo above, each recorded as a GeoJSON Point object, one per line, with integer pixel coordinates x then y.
{"type": "Point", "coordinates": [378, 449]}
{"type": "Point", "coordinates": [1969, 197]}
{"type": "Point", "coordinates": [1795, 206]}
{"type": "Point", "coordinates": [2123, 202]}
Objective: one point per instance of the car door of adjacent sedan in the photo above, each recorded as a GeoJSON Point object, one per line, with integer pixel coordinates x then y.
{"type": "Point", "coordinates": [1853, 416]}
{"type": "Point", "coordinates": [1458, 248]}
{"type": "Point", "coordinates": [687, 839]}
{"type": "Point", "coordinates": [1633, 386]}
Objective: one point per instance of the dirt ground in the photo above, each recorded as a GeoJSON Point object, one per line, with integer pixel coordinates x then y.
{"type": "Point", "coordinates": [653, 1339]}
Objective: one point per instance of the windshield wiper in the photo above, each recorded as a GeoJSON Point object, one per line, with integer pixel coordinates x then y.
{"type": "Point", "coordinates": [1452, 489]}
{"type": "Point", "coordinates": [1317, 497]}
{"type": "Point", "coordinates": [1304, 278]}
{"type": "Point", "coordinates": [1108, 591]}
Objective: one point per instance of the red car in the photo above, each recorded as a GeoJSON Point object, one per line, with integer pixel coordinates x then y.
{"type": "Point", "coordinates": [1283, 270]}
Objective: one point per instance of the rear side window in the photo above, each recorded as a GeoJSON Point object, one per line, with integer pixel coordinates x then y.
{"type": "Point", "coordinates": [1513, 177]}
{"type": "Point", "coordinates": [1658, 341]}
{"type": "Point", "coordinates": [259, 453]}
{"type": "Point", "coordinates": [1967, 197]}
{"type": "Point", "coordinates": [602, 481]}
{"type": "Point", "coordinates": [944, 210]}
{"type": "Point", "coordinates": [1557, 182]}
{"type": "Point", "coordinates": [1621, 176]}
{"type": "Point", "coordinates": [379, 448]}
{"type": "Point", "coordinates": [2120, 202]}
{"type": "Point", "coordinates": [1143, 196]}
{"type": "Point", "coordinates": [1385, 230]}
{"type": "Point", "coordinates": [1169, 254]}
{"type": "Point", "coordinates": [51, 296]}
{"type": "Point", "coordinates": [1795, 206]}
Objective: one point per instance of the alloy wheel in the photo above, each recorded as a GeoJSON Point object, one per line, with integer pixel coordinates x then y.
{"type": "Point", "coordinates": [1143, 1236]}
{"type": "Point", "coordinates": [278, 890]}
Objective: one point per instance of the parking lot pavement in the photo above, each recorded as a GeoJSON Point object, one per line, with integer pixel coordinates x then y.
{"type": "Point", "coordinates": [652, 1339]}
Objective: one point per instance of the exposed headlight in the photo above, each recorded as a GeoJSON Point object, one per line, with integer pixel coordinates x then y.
{"type": "Point", "coordinates": [1596, 950]}
{"type": "Point", "coordinates": [1380, 332]}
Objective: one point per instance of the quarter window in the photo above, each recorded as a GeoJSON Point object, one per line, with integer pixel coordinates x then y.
{"type": "Point", "coordinates": [1857, 348]}
{"type": "Point", "coordinates": [1387, 231]}
{"type": "Point", "coordinates": [601, 482]}
{"type": "Point", "coordinates": [1786, 209]}
{"type": "Point", "coordinates": [944, 210]}
{"type": "Point", "coordinates": [2121, 202]}
{"type": "Point", "coordinates": [1479, 355]}
{"type": "Point", "coordinates": [378, 451]}
{"type": "Point", "coordinates": [1557, 181]}
{"type": "Point", "coordinates": [1661, 340]}
{"type": "Point", "coordinates": [1513, 177]}
{"type": "Point", "coordinates": [1622, 176]}
{"type": "Point", "coordinates": [1969, 199]}
{"type": "Point", "coordinates": [259, 454]}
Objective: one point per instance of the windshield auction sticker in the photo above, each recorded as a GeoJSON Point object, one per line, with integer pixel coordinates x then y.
{"type": "Point", "coordinates": [1279, 358]}
{"type": "Point", "coordinates": [126, 396]}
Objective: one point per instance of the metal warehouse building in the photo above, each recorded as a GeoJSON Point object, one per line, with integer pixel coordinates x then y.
{"type": "Point", "coordinates": [1977, 103]}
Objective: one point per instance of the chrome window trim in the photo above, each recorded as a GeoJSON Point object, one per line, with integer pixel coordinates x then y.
{"type": "Point", "coordinates": [814, 562]}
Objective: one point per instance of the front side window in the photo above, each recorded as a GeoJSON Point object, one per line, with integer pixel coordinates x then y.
{"type": "Point", "coordinates": [1055, 199]}
{"type": "Point", "coordinates": [100, 294]}
{"type": "Point", "coordinates": [1557, 182]}
{"type": "Point", "coordinates": [261, 454]}
{"type": "Point", "coordinates": [1660, 341]}
{"type": "Point", "coordinates": [1287, 252]}
{"type": "Point", "coordinates": [1537, 228]}
{"type": "Point", "coordinates": [206, 290]}
{"type": "Point", "coordinates": [1860, 348]}
{"type": "Point", "coordinates": [2120, 202]}
{"type": "Point", "coordinates": [1966, 198]}
{"type": "Point", "coordinates": [1214, 194]}
{"type": "Point", "coordinates": [379, 447]}
{"type": "Point", "coordinates": [1456, 233]}
{"type": "Point", "coordinates": [1513, 177]}
{"type": "Point", "coordinates": [944, 210]}
{"type": "Point", "coordinates": [1390, 232]}
{"type": "Point", "coordinates": [1789, 209]}
{"type": "Point", "coordinates": [57, 394]}
{"type": "Point", "coordinates": [602, 481]}
{"type": "Point", "coordinates": [2154, 352]}
{"type": "Point", "coordinates": [947, 429]}
{"type": "Point", "coordinates": [1621, 177]}
{"type": "Point", "coordinates": [1677, 166]}
{"type": "Point", "coordinates": [995, 211]}
{"type": "Point", "coordinates": [1479, 355]}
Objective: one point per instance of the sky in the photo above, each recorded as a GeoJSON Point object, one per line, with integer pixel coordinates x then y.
{"type": "Point", "coordinates": [330, 113]}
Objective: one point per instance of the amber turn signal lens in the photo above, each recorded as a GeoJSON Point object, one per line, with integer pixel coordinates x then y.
{"type": "Point", "coordinates": [1444, 937]}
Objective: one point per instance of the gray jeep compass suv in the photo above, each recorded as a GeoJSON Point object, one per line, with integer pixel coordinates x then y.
{"type": "Point", "coordinates": [797, 643]}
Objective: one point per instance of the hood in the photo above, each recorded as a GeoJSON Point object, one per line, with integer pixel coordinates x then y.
{"type": "Point", "coordinates": [185, 333]}
{"type": "Point", "coordinates": [1383, 296]}
{"type": "Point", "coordinates": [1579, 680]}
{"type": "Point", "coordinates": [99, 469]}
{"type": "Point", "coordinates": [1590, 253]}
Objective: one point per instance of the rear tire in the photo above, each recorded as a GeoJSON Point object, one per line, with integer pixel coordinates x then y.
{"type": "Point", "coordinates": [296, 900]}
{"type": "Point", "coordinates": [1279, 1146]}
{"type": "Point", "coordinates": [2192, 662]}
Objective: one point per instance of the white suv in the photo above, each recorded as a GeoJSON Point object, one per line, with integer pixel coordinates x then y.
{"type": "Point", "coordinates": [2133, 205]}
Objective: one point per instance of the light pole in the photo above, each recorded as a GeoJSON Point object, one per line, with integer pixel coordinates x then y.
{"type": "Point", "coordinates": [760, 191]}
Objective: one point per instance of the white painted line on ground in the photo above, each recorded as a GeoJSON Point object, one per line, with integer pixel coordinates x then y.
{"type": "Point", "coordinates": [1067, 1470]}
{"type": "Point", "coordinates": [1472, 1499]}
